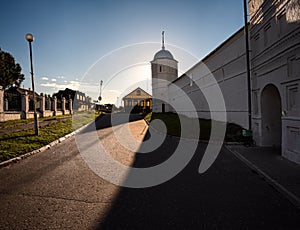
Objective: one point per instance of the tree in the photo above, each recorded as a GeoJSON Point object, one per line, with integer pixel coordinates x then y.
{"type": "Point", "coordinates": [10, 72]}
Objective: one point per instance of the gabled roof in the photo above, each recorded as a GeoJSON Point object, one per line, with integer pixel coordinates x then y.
{"type": "Point", "coordinates": [21, 91]}
{"type": "Point", "coordinates": [143, 92]}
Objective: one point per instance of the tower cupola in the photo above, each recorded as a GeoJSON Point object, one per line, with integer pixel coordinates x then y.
{"type": "Point", "coordinates": [164, 71]}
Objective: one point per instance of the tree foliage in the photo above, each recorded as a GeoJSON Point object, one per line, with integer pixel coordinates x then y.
{"type": "Point", "coordinates": [10, 71]}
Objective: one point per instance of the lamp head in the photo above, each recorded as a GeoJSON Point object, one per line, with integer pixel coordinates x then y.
{"type": "Point", "coordinates": [29, 37]}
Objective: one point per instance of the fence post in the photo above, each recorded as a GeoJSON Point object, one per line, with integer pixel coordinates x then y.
{"type": "Point", "coordinates": [25, 105]}
{"type": "Point", "coordinates": [71, 106]}
{"type": "Point", "coordinates": [54, 105]}
{"type": "Point", "coordinates": [42, 104]}
{"type": "Point", "coordinates": [63, 105]}
{"type": "Point", "coordinates": [1, 99]}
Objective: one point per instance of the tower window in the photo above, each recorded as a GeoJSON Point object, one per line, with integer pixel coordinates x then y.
{"type": "Point", "coordinates": [160, 68]}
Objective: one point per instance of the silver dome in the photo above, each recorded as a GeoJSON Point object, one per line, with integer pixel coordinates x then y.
{"type": "Point", "coordinates": [163, 54]}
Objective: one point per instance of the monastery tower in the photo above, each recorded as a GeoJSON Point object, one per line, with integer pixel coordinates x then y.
{"type": "Point", "coordinates": [164, 71]}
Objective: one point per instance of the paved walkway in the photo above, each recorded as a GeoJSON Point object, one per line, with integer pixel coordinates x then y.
{"type": "Point", "coordinates": [56, 189]}
{"type": "Point", "coordinates": [269, 160]}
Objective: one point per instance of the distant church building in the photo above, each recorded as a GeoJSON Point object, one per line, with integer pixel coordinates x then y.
{"type": "Point", "coordinates": [164, 71]}
{"type": "Point", "coordinates": [275, 77]}
{"type": "Point", "coordinates": [138, 101]}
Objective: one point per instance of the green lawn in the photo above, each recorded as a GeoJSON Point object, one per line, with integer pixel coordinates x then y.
{"type": "Point", "coordinates": [13, 144]}
{"type": "Point", "coordinates": [173, 123]}
{"type": "Point", "coordinates": [26, 121]}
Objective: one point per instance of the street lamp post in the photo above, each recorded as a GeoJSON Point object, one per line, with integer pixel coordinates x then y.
{"type": "Point", "coordinates": [30, 38]}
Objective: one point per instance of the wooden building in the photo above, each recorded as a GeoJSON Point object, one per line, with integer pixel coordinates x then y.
{"type": "Point", "coordinates": [138, 101]}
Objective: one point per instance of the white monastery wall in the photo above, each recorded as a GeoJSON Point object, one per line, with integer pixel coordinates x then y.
{"type": "Point", "coordinates": [226, 65]}
{"type": "Point", "coordinates": [274, 36]}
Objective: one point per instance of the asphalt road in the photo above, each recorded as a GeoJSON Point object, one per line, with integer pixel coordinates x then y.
{"type": "Point", "coordinates": [56, 189]}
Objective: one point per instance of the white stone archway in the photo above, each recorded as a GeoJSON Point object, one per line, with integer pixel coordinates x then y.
{"type": "Point", "coordinates": [271, 108]}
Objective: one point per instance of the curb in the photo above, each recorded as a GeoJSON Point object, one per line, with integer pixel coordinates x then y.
{"type": "Point", "coordinates": [282, 190]}
{"type": "Point", "coordinates": [42, 149]}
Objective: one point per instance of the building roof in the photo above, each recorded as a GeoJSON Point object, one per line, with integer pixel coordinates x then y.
{"type": "Point", "coordinates": [163, 54]}
{"type": "Point", "coordinates": [21, 91]}
{"type": "Point", "coordinates": [143, 95]}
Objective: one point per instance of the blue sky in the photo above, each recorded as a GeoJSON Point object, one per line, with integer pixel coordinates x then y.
{"type": "Point", "coordinates": [80, 42]}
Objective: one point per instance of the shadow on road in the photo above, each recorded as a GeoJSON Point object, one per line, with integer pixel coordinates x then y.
{"type": "Point", "coordinates": [227, 196]}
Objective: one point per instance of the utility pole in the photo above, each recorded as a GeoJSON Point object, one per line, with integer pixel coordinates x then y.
{"type": "Point", "coordinates": [248, 66]}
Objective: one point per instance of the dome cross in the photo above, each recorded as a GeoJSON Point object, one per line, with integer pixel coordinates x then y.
{"type": "Point", "coordinates": [163, 40]}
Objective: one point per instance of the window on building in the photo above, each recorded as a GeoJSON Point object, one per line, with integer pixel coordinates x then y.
{"type": "Point", "coordinates": [255, 102]}
{"type": "Point", "coordinates": [293, 94]}
{"type": "Point", "coordinates": [138, 92]}
{"type": "Point", "coordinates": [267, 30]}
{"type": "Point", "coordinates": [293, 136]}
{"type": "Point", "coordinates": [256, 46]}
{"type": "Point", "coordinates": [281, 23]}
{"type": "Point", "coordinates": [160, 68]}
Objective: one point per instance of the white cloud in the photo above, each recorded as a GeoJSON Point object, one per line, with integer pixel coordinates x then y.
{"type": "Point", "coordinates": [91, 89]}
{"type": "Point", "coordinates": [45, 78]}
{"type": "Point", "coordinates": [52, 85]}
{"type": "Point", "coordinates": [113, 91]}
{"type": "Point", "coordinates": [53, 79]}
{"type": "Point", "coordinates": [56, 86]}
{"type": "Point", "coordinates": [74, 82]}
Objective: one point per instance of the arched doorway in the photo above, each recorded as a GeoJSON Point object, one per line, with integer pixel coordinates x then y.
{"type": "Point", "coordinates": [271, 116]}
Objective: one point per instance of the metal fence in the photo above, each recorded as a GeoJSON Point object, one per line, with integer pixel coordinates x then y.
{"type": "Point", "coordinates": [59, 104]}
{"type": "Point", "coordinates": [12, 102]}
{"type": "Point", "coordinates": [37, 105]}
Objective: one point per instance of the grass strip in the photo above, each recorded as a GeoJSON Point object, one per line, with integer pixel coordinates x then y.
{"type": "Point", "coordinates": [26, 121]}
{"type": "Point", "coordinates": [174, 121]}
{"type": "Point", "coordinates": [17, 143]}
